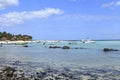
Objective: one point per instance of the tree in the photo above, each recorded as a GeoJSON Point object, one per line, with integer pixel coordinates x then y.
{"type": "Point", "coordinates": [8, 36]}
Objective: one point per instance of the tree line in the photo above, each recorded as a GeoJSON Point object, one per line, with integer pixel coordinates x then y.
{"type": "Point", "coordinates": [8, 36]}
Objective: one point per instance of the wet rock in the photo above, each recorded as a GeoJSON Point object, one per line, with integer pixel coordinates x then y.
{"type": "Point", "coordinates": [65, 47]}
{"type": "Point", "coordinates": [55, 47]}
{"type": "Point", "coordinates": [41, 74]}
{"type": "Point", "coordinates": [109, 49]}
{"type": "Point", "coordinates": [44, 43]}
{"type": "Point", "coordinates": [25, 45]}
{"type": "Point", "coordinates": [16, 63]}
{"type": "Point", "coordinates": [10, 73]}
{"type": "Point", "coordinates": [26, 71]}
{"type": "Point", "coordinates": [9, 69]}
{"type": "Point", "coordinates": [66, 69]}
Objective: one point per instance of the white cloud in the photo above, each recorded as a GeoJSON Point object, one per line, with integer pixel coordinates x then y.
{"type": "Point", "coordinates": [118, 3]}
{"type": "Point", "coordinates": [111, 5]}
{"type": "Point", "coordinates": [87, 18]}
{"type": "Point", "coordinates": [14, 18]}
{"type": "Point", "coordinates": [108, 4]}
{"type": "Point", "coordinates": [6, 3]}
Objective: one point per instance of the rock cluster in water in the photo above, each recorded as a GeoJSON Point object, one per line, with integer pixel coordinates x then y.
{"type": "Point", "coordinates": [64, 47]}
{"type": "Point", "coordinates": [109, 49]}
{"type": "Point", "coordinates": [55, 47]}
{"type": "Point", "coordinates": [25, 45]}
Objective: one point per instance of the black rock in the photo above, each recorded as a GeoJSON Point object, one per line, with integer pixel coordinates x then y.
{"type": "Point", "coordinates": [65, 47]}
{"type": "Point", "coordinates": [25, 46]}
{"type": "Point", "coordinates": [9, 69]}
{"type": "Point", "coordinates": [16, 63]}
{"type": "Point", "coordinates": [54, 47]}
{"type": "Point", "coordinates": [109, 49]}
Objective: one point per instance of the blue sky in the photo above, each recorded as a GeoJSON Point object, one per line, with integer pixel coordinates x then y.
{"type": "Point", "coordinates": [61, 19]}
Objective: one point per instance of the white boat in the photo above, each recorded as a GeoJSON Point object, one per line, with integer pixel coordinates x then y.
{"type": "Point", "coordinates": [88, 41]}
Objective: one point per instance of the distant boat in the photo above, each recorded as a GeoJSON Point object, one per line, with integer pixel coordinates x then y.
{"type": "Point", "coordinates": [88, 41]}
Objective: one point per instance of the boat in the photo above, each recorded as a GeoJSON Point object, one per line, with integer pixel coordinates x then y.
{"type": "Point", "coordinates": [88, 41]}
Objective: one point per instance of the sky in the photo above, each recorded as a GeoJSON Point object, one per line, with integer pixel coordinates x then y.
{"type": "Point", "coordinates": [61, 19]}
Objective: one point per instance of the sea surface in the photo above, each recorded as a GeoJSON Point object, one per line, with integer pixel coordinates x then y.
{"type": "Point", "coordinates": [79, 54]}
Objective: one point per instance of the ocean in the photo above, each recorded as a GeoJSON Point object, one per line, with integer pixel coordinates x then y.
{"type": "Point", "coordinates": [79, 54]}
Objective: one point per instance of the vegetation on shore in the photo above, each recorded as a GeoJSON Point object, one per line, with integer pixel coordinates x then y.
{"type": "Point", "coordinates": [8, 36]}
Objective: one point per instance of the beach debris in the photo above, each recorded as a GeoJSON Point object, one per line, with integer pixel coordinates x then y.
{"type": "Point", "coordinates": [109, 49]}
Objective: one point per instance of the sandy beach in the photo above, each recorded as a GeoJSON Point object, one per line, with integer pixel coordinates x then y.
{"type": "Point", "coordinates": [15, 42]}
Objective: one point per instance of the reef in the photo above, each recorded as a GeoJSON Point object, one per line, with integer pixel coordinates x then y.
{"type": "Point", "coordinates": [18, 70]}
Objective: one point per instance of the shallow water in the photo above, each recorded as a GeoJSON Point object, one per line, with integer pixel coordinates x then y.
{"type": "Point", "coordinates": [92, 55]}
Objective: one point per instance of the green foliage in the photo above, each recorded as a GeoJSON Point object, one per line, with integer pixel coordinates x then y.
{"type": "Point", "coordinates": [8, 36]}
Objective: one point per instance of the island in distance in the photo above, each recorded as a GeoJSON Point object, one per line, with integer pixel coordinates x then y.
{"type": "Point", "coordinates": [11, 37]}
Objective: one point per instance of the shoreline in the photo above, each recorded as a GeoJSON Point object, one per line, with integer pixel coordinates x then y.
{"type": "Point", "coordinates": [15, 42]}
{"type": "Point", "coordinates": [42, 41]}
{"type": "Point", "coordinates": [18, 70]}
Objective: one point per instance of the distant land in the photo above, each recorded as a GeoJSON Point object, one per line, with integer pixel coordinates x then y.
{"type": "Point", "coordinates": [4, 36]}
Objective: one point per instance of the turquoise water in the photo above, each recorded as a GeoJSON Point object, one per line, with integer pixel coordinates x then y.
{"type": "Point", "coordinates": [92, 55]}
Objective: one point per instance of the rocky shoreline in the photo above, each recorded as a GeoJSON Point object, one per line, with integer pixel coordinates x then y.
{"type": "Point", "coordinates": [16, 70]}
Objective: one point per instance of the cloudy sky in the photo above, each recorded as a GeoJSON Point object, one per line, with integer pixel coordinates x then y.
{"type": "Point", "coordinates": [61, 19]}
